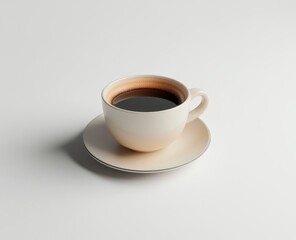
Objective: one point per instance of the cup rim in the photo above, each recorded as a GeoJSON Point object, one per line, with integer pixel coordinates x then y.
{"type": "Point", "coordinates": [143, 76]}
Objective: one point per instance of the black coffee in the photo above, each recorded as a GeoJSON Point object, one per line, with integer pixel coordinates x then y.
{"type": "Point", "coordinates": [146, 100]}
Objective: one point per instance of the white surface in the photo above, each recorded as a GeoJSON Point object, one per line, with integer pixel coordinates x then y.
{"type": "Point", "coordinates": [56, 56]}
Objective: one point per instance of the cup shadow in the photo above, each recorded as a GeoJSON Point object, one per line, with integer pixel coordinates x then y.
{"type": "Point", "coordinates": [76, 151]}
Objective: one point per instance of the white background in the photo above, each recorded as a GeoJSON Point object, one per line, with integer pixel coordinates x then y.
{"type": "Point", "coordinates": [55, 58]}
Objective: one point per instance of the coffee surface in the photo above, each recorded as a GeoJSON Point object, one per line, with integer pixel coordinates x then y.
{"type": "Point", "coordinates": [146, 100]}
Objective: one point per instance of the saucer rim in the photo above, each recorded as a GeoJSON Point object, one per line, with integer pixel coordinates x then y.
{"type": "Point", "coordinates": [147, 171]}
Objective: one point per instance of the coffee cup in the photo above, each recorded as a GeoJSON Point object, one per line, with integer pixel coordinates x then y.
{"type": "Point", "coordinates": [146, 112]}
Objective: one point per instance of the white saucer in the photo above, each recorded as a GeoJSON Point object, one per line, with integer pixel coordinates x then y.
{"type": "Point", "coordinates": [103, 147]}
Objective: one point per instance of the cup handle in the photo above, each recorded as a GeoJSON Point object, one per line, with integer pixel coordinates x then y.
{"type": "Point", "coordinates": [197, 111]}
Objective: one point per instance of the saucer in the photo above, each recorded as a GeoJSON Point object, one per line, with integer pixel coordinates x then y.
{"type": "Point", "coordinates": [103, 147]}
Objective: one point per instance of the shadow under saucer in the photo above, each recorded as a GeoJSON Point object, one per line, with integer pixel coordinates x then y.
{"type": "Point", "coordinates": [75, 149]}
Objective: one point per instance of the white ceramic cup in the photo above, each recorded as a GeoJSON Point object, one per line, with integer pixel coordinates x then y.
{"type": "Point", "coordinates": [150, 131]}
